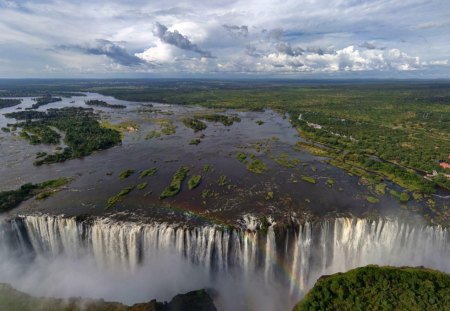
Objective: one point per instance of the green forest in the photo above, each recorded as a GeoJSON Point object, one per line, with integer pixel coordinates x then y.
{"type": "Point", "coordinates": [380, 288]}
{"type": "Point", "coordinates": [6, 102]}
{"type": "Point", "coordinates": [83, 133]}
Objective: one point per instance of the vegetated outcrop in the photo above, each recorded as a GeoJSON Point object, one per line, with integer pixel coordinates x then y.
{"type": "Point", "coordinates": [14, 300]}
{"type": "Point", "coordinates": [380, 288]}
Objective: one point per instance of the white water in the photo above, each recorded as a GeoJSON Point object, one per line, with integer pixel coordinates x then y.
{"type": "Point", "coordinates": [292, 259]}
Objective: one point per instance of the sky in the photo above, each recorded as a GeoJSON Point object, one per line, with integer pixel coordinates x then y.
{"type": "Point", "coordinates": [252, 38]}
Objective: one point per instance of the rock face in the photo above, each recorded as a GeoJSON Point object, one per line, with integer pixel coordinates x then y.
{"type": "Point", "coordinates": [14, 300]}
{"type": "Point", "coordinates": [380, 288]}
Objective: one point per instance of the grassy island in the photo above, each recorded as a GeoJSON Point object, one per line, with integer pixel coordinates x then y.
{"type": "Point", "coordinates": [175, 186]}
{"type": "Point", "coordinates": [101, 103]}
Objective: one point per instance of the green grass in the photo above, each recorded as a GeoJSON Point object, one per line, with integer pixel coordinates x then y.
{"type": "Point", "coordinates": [401, 196]}
{"type": "Point", "coordinates": [222, 180]}
{"type": "Point", "coordinates": [372, 199]}
{"type": "Point", "coordinates": [242, 157]}
{"type": "Point", "coordinates": [141, 186]}
{"type": "Point", "coordinates": [167, 126]}
{"type": "Point", "coordinates": [269, 195]}
{"type": "Point", "coordinates": [195, 141]}
{"type": "Point", "coordinates": [148, 172]}
{"type": "Point", "coordinates": [380, 288]}
{"type": "Point", "coordinates": [125, 174]}
{"type": "Point", "coordinates": [380, 188]}
{"type": "Point", "coordinates": [175, 186]}
{"type": "Point", "coordinates": [207, 168]}
{"type": "Point", "coordinates": [283, 160]}
{"type": "Point", "coordinates": [330, 182]}
{"type": "Point", "coordinates": [256, 166]}
{"type": "Point", "coordinates": [112, 201]}
{"type": "Point", "coordinates": [153, 134]}
{"type": "Point", "coordinates": [309, 179]}
{"type": "Point", "coordinates": [194, 181]}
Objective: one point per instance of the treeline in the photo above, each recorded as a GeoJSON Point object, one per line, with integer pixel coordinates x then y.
{"type": "Point", "coordinates": [7, 102]}
{"type": "Point", "coordinates": [380, 288]}
{"type": "Point", "coordinates": [44, 100]}
{"type": "Point", "coordinates": [101, 103]}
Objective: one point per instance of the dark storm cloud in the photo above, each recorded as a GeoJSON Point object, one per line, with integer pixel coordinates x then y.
{"type": "Point", "coordinates": [107, 48]}
{"type": "Point", "coordinates": [177, 39]}
{"type": "Point", "coordinates": [237, 30]}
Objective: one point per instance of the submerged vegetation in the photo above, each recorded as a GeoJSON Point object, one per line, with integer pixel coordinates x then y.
{"type": "Point", "coordinates": [141, 186]}
{"type": "Point", "coordinates": [194, 181]}
{"type": "Point", "coordinates": [167, 127]}
{"type": "Point", "coordinates": [256, 166]}
{"type": "Point", "coordinates": [283, 160]}
{"type": "Point", "coordinates": [83, 133]}
{"type": "Point", "coordinates": [148, 172]}
{"type": "Point", "coordinates": [12, 198]}
{"type": "Point", "coordinates": [252, 163]}
{"type": "Point", "coordinates": [126, 174]}
{"type": "Point", "coordinates": [309, 179]}
{"type": "Point", "coordinates": [175, 186]}
{"type": "Point", "coordinates": [194, 124]}
{"type": "Point", "coordinates": [195, 141]}
{"type": "Point", "coordinates": [125, 126]}
{"type": "Point", "coordinates": [380, 288]}
{"type": "Point", "coordinates": [112, 201]}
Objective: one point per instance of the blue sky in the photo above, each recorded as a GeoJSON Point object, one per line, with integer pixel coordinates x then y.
{"type": "Point", "coordinates": [301, 38]}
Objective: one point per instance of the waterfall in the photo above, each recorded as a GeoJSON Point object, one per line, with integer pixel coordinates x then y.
{"type": "Point", "coordinates": [295, 256]}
